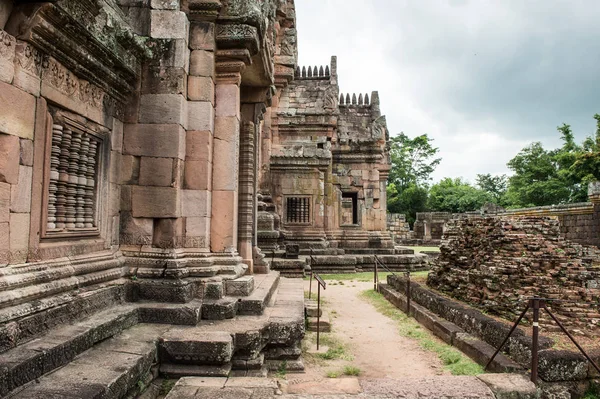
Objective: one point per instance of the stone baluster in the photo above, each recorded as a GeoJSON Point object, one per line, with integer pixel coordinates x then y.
{"type": "Point", "coordinates": [71, 208]}
{"type": "Point", "coordinates": [90, 175]}
{"type": "Point", "coordinates": [57, 132]}
{"type": "Point", "coordinates": [63, 178]}
{"type": "Point", "coordinates": [82, 181]}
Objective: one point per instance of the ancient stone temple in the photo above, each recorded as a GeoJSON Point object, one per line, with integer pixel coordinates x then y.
{"type": "Point", "coordinates": [148, 150]}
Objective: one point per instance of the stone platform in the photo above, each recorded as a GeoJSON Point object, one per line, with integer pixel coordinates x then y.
{"type": "Point", "coordinates": [117, 352]}
{"type": "Point", "coordinates": [486, 386]}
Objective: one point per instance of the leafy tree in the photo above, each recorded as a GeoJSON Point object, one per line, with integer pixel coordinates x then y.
{"type": "Point", "coordinates": [494, 185]}
{"type": "Point", "coordinates": [413, 160]}
{"type": "Point", "coordinates": [457, 196]}
{"type": "Point", "coordinates": [411, 200]}
{"type": "Point", "coordinates": [544, 177]}
{"type": "Point", "coordinates": [536, 180]}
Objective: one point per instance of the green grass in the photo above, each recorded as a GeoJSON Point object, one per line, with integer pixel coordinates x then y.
{"type": "Point", "coordinates": [351, 370]}
{"type": "Point", "coordinates": [333, 374]}
{"type": "Point", "coordinates": [337, 349]}
{"type": "Point", "coordinates": [593, 392]}
{"type": "Point", "coordinates": [454, 361]}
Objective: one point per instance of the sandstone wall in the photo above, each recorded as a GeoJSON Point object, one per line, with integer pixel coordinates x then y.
{"type": "Point", "coordinates": [398, 226]}
{"type": "Point", "coordinates": [496, 263]}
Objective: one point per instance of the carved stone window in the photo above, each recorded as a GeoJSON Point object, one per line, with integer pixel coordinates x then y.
{"type": "Point", "coordinates": [297, 210]}
{"type": "Point", "coordinates": [74, 167]}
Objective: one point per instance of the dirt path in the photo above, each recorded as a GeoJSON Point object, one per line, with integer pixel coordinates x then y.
{"type": "Point", "coordinates": [372, 338]}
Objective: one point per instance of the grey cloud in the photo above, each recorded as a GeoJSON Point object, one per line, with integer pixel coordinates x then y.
{"type": "Point", "coordinates": [465, 70]}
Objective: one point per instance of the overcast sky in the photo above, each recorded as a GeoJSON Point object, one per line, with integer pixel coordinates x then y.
{"type": "Point", "coordinates": [482, 78]}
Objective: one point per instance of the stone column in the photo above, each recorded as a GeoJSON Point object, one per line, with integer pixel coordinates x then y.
{"type": "Point", "coordinates": [246, 193]}
{"type": "Point", "coordinates": [224, 226]}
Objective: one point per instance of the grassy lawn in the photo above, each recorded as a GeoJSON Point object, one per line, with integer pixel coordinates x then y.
{"type": "Point", "coordinates": [454, 361]}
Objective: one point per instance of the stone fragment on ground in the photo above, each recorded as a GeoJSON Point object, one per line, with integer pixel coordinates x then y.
{"type": "Point", "coordinates": [510, 386]}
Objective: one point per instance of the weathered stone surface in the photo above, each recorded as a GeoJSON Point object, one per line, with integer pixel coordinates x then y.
{"type": "Point", "coordinates": [201, 88]}
{"type": "Point", "coordinates": [202, 35]}
{"type": "Point", "coordinates": [20, 195]}
{"type": "Point", "coordinates": [164, 80]}
{"type": "Point", "coordinates": [169, 25]}
{"type": "Point", "coordinates": [191, 346]}
{"type": "Point", "coordinates": [220, 309]}
{"type": "Point", "coordinates": [9, 158]}
{"type": "Point", "coordinates": [202, 63]}
{"type": "Point", "coordinates": [7, 56]}
{"type": "Point", "coordinates": [558, 365]}
{"type": "Point", "coordinates": [198, 145]}
{"type": "Point", "coordinates": [163, 109]}
{"type": "Point", "coordinates": [157, 172]}
{"type": "Point", "coordinates": [198, 175]}
{"type": "Point", "coordinates": [511, 258]}
{"type": "Point", "coordinates": [167, 233]}
{"type": "Point", "coordinates": [242, 286]}
{"type": "Point", "coordinates": [223, 233]}
{"type": "Point", "coordinates": [165, 4]}
{"type": "Point", "coordinates": [151, 140]}
{"type": "Point", "coordinates": [156, 202]}
{"type": "Point", "coordinates": [228, 100]}
{"type": "Point", "coordinates": [201, 116]}
{"type": "Point", "coordinates": [26, 153]}
{"type": "Point", "coordinates": [198, 228]}
{"type": "Point", "coordinates": [4, 202]}
{"type": "Point", "coordinates": [19, 237]}
{"type": "Point", "coordinates": [195, 203]}
{"type": "Point", "coordinates": [510, 386]}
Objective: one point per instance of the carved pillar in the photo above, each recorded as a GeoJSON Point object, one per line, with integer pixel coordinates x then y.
{"type": "Point", "coordinates": [224, 226]}
{"type": "Point", "coordinates": [246, 193]}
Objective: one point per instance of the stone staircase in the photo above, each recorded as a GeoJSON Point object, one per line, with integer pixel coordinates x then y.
{"type": "Point", "coordinates": [116, 351]}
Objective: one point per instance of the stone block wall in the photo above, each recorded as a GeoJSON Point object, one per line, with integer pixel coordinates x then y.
{"type": "Point", "coordinates": [496, 263]}
{"type": "Point", "coordinates": [431, 225]}
{"type": "Point", "coordinates": [398, 226]}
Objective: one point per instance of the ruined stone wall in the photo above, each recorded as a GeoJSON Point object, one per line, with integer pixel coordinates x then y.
{"type": "Point", "coordinates": [496, 263]}
{"type": "Point", "coordinates": [578, 222]}
{"type": "Point", "coordinates": [398, 226]}
{"type": "Point", "coordinates": [431, 225]}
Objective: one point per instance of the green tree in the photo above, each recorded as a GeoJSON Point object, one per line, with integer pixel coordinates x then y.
{"type": "Point", "coordinates": [494, 185]}
{"type": "Point", "coordinates": [413, 160]}
{"type": "Point", "coordinates": [457, 196]}
{"type": "Point", "coordinates": [536, 179]}
{"type": "Point", "coordinates": [544, 177]}
{"type": "Point", "coordinates": [409, 201]}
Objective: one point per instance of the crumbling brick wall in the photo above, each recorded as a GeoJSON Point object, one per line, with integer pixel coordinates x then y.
{"type": "Point", "coordinates": [496, 263]}
{"type": "Point", "coordinates": [398, 226]}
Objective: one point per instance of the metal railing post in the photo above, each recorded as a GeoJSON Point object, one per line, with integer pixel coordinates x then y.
{"type": "Point", "coordinates": [408, 294]}
{"type": "Point", "coordinates": [535, 340]}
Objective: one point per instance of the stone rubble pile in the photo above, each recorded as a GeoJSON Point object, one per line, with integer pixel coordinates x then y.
{"type": "Point", "coordinates": [497, 263]}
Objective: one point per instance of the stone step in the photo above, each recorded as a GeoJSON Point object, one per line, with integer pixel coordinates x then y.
{"type": "Point", "coordinates": [289, 267]}
{"type": "Point", "coordinates": [116, 368]}
{"type": "Point", "coordinates": [404, 251]}
{"type": "Point", "coordinates": [24, 322]}
{"type": "Point", "coordinates": [192, 346]}
{"type": "Point", "coordinates": [323, 323]}
{"type": "Point", "coordinates": [233, 387]}
{"type": "Point", "coordinates": [256, 302]}
{"type": "Point", "coordinates": [188, 314]}
{"type": "Point", "coordinates": [61, 345]}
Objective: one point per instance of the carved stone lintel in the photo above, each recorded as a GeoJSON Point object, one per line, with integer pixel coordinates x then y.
{"type": "Point", "coordinates": [238, 35]}
{"type": "Point", "coordinates": [201, 10]}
